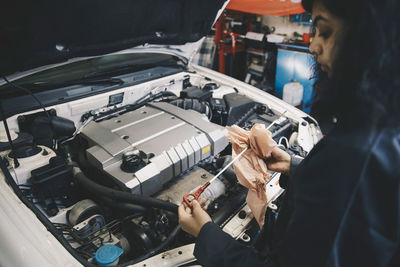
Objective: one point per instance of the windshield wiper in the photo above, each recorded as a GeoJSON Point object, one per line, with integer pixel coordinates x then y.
{"type": "Point", "coordinates": [84, 81]}
{"type": "Point", "coordinates": [130, 68]}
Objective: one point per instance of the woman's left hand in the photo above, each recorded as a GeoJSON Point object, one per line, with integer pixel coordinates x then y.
{"type": "Point", "coordinates": [192, 219]}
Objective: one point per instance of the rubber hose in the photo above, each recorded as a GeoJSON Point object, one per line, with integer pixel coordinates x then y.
{"type": "Point", "coordinates": [123, 206]}
{"type": "Point", "coordinates": [116, 195]}
{"type": "Point", "coordinates": [189, 103]}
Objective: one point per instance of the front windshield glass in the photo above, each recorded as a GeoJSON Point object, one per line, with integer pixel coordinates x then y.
{"type": "Point", "coordinates": [99, 67]}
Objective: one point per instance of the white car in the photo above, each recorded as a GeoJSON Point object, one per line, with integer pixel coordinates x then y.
{"type": "Point", "coordinates": [109, 124]}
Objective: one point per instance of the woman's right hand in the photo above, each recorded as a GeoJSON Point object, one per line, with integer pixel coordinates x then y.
{"type": "Point", "coordinates": [279, 161]}
{"type": "Point", "coordinates": [193, 219]}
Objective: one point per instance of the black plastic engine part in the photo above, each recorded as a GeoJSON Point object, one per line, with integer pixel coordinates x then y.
{"type": "Point", "coordinates": [62, 127]}
{"type": "Point", "coordinates": [244, 120]}
{"type": "Point", "coordinates": [25, 151]}
{"type": "Point", "coordinates": [210, 86]}
{"type": "Point", "coordinates": [42, 132]}
{"type": "Point", "coordinates": [44, 129]}
{"type": "Point", "coordinates": [186, 82]}
{"type": "Point", "coordinates": [138, 239]}
{"type": "Point", "coordinates": [190, 103]}
{"type": "Point", "coordinates": [262, 109]}
{"type": "Point", "coordinates": [218, 104]}
{"type": "Point", "coordinates": [52, 182]}
{"type": "Point", "coordinates": [23, 139]}
{"type": "Point", "coordinates": [25, 122]}
{"type": "Point", "coordinates": [196, 93]}
{"type": "Point", "coordinates": [167, 242]}
{"type": "Point", "coordinates": [219, 111]}
{"type": "Point", "coordinates": [237, 105]}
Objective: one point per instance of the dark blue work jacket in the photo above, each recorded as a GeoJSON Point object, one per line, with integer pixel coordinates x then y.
{"type": "Point", "coordinates": [341, 208]}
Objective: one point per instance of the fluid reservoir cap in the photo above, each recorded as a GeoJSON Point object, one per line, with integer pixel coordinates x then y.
{"type": "Point", "coordinates": [107, 254]}
{"type": "Point", "coordinates": [132, 162]}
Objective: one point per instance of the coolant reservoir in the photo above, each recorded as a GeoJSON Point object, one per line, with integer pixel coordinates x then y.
{"type": "Point", "coordinates": [293, 93]}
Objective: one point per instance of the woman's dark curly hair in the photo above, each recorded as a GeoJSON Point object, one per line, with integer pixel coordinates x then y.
{"type": "Point", "coordinates": [365, 85]}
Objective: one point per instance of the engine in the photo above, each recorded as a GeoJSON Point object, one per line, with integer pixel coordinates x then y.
{"type": "Point", "coordinates": [112, 181]}
{"type": "Point", "coordinates": [144, 149]}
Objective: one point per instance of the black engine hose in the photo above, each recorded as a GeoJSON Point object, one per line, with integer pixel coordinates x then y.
{"type": "Point", "coordinates": [156, 250]}
{"type": "Point", "coordinates": [194, 104]}
{"type": "Point", "coordinates": [116, 195]}
{"type": "Point", "coordinates": [133, 208]}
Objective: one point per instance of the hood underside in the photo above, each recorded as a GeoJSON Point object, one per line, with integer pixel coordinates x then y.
{"type": "Point", "coordinates": [37, 33]}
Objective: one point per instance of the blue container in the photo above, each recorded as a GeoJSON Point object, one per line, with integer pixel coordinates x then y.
{"type": "Point", "coordinates": [294, 65]}
{"type": "Point", "coordinates": [108, 255]}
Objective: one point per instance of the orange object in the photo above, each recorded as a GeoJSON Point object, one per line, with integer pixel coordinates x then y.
{"type": "Point", "coordinates": [266, 7]}
{"type": "Point", "coordinates": [306, 37]}
{"type": "Point", "coordinates": [188, 198]}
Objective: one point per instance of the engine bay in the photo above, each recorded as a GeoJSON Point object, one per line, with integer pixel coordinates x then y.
{"type": "Point", "coordinates": [109, 171]}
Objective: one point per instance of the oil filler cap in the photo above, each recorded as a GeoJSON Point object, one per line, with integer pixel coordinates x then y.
{"type": "Point", "coordinates": [108, 255]}
{"type": "Point", "coordinates": [132, 161]}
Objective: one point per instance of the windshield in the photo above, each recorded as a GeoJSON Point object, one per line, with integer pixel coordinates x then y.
{"type": "Point", "coordinates": [105, 66]}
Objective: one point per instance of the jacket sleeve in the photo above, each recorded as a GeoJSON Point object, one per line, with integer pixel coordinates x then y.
{"type": "Point", "coordinates": [294, 162]}
{"type": "Point", "coordinates": [216, 248]}
{"type": "Point", "coordinates": [342, 213]}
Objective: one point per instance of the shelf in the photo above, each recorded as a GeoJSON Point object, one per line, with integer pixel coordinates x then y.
{"type": "Point", "coordinates": [255, 52]}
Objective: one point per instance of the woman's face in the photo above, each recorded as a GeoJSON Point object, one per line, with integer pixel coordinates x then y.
{"type": "Point", "coordinates": [328, 30]}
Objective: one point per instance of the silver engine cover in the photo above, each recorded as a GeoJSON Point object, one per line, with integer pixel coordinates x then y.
{"type": "Point", "coordinates": [178, 138]}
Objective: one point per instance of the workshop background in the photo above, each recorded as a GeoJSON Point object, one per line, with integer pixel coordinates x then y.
{"type": "Point", "coordinates": [265, 44]}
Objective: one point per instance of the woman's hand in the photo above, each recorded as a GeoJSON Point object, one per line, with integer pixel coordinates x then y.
{"type": "Point", "coordinates": [279, 161]}
{"type": "Point", "coordinates": [192, 219]}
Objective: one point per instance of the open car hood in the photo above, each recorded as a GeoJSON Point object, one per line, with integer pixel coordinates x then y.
{"type": "Point", "coordinates": [39, 33]}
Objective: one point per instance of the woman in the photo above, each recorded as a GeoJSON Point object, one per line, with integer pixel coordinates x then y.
{"type": "Point", "coordinates": [342, 203]}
